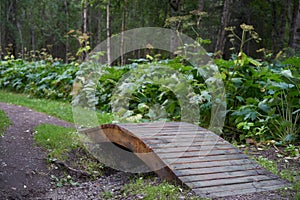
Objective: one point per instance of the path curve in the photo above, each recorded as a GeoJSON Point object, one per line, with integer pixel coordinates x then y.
{"type": "Point", "coordinates": [23, 168]}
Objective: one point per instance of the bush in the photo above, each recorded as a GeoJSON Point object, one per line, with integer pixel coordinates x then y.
{"type": "Point", "coordinates": [40, 78]}
{"type": "Point", "coordinates": [263, 98]}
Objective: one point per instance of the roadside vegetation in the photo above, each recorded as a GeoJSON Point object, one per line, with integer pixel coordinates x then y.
{"type": "Point", "coordinates": [4, 122]}
{"type": "Point", "coordinates": [262, 97]}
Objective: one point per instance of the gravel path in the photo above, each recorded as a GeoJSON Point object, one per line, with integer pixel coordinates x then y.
{"type": "Point", "coordinates": [23, 169]}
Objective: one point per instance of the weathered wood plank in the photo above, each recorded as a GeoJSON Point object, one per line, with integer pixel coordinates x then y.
{"type": "Point", "coordinates": [187, 144]}
{"type": "Point", "coordinates": [219, 175]}
{"type": "Point", "coordinates": [199, 171]}
{"type": "Point", "coordinates": [204, 164]}
{"type": "Point", "coordinates": [206, 158]}
{"type": "Point", "coordinates": [197, 154]}
{"type": "Point", "coordinates": [192, 148]}
{"type": "Point", "coordinates": [171, 135]}
{"type": "Point", "coordinates": [249, 187]}
{"type": "Point", "coordinates": [246, 190]}
{"type": "Point", "coordinates": [230, 181]}
{"type": "Point", "coordinates": [180, 141]}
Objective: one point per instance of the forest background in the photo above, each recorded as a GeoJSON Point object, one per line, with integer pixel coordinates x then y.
{"type": "Point", "coordinates": [254, 43]}
{"type": "Point", "coordinates": [61, 27]}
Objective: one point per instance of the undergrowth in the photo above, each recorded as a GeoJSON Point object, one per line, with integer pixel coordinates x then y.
{"type": "Point", "coordinates": [161, 191]}
{"type": "Point", "coordinates": [287, 174]}
{"type": "Point", "coordinates": [57, 140]}
{"type": "Point", "coordinates": [4, 122]}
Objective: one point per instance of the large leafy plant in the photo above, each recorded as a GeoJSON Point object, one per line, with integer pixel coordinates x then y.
{"type": "Point", "coordinates": [40, 78]}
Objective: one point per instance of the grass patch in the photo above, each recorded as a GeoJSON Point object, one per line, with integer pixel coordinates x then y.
{"type": "Point", "coordinates": [267, 164]}
{"type": "Point", "coordinates": [64, 144]}
{"type": "Point", "coordinates": [57, 140]}
{"type": "Point", "coordinates": [162, 191]}
{"type": "Point", "coordinates": [290, 175]}
{"type": "Point", "coordinates": [59, 109]}
{"type": "Point", "coordinates": [4, 122]}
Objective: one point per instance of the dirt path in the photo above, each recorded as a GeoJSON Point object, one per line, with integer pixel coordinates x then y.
{"type": "Point", "coordinates": [23, 168]}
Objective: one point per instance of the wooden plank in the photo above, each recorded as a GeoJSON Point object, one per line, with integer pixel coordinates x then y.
{"type": "Point", "coordinates": [194, 154]}
{"type": "Point", "coordinates": [230, 181]}
{"type": "Point", "coordinates": [250, 187]}
{"type": "Point", "coordinates": [187, 144]}
{"type": "Point", "coordinates": [206, 158]}
{"type": "Point", "coordinates": [247, 190]}
{"type": "Point", "coordinates": [181, 134]}
{"type": "Point", "coordinates": [199, 171]}
{"type": "Point", "coordinates": [210, 164]}
{"type": "Point", "coordinates": [180, 141]}
{"type": "Point", "coordinates": [220, 175]}
{"type": "Point", "coordinates": [149, 133]}
{"type": "Point", "coordinates": [192, 148]}
{"type": "Point", "coordinates": [158, 124]}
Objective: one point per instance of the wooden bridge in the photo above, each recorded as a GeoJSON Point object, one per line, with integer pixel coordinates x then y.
{"type": "Point", "coordinates": [191, 156]}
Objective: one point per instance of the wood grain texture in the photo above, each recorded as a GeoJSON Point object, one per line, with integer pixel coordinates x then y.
{"type": "Point", "coordinates": [192, 156]}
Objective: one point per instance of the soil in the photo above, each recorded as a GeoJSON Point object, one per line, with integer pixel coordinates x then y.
{"type": "Point", "coordinates": [25, 173]}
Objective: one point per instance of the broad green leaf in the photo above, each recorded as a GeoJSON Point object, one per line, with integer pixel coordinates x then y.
{"type": "Point", "coordinates": [254, 62]}
{"type": "Point", "coordinates": [287, 73]}
{"type": "Point", "coordinates": [263, 106]}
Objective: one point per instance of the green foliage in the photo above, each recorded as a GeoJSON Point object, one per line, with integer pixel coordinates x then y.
{"type": "Point", "coordinates": [57, 140]}
{"type": "Point", "coordinates": [59, 182]}
{"type": "Point", "coordinates": [147, 88]}
{"type": "Point", "coordinates": [268, 164]}
{"type": "Point", "coordinates": [4, 122]}
{"type": "Point", "coordinates": [292, 150]}
{"type": "Point", "coordinates": [290, 175]}
{"type": "Point", "coordinates": [263, 99]}
{"type": "Point", "coordinates": [162, 191]}
{"type": "Point", "coordinates": [41, 78]}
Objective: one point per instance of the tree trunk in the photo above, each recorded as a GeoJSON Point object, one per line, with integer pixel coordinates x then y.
{"type": "Point", "coordinates": [99, 26]}
{"type": "Point", "coordinates": [11, 18]}
{"type": "Point", "coordinates": [220, 46]}
{"type": "Point", "coordinates": [201, 9]}
{"type": "Point", "coordinates": [32, 32]}
{"type": "Point", "coordinates": [1, 22]}
{"type": "Point", "coordinates": [295, 26]}
{"type": "Point", "coordinates": [84, 27]}
{"type": "Point", "coordinates": [283, 20]}
{"type": "Point", "coordinates": [108, 32]}
{"type": "Point", "coordinates": [21, 39]}
{"type": "Point", "coordinates": [67, 30]}
{"type": "Point", "coordinates": [122, 34]}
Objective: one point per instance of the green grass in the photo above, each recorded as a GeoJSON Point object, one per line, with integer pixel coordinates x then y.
{"type": "Point", "coordinates": [4, 122]}
{"type": "Point", "coordinates": [162, 191]}
{"type": "Point", "coordinates": [59, 109]}
{"type": "Point", "coordinates": [56, 139]}
{"type": "Point", "coordinates": [61, 143]}
{"type": "Point", "coordinates": [290, 175]}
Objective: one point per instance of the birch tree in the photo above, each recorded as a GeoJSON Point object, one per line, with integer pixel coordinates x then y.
{"type": "Point", "coordinates": [108, 31]}
{"type": "Point", "coordinates": [122, 34]}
